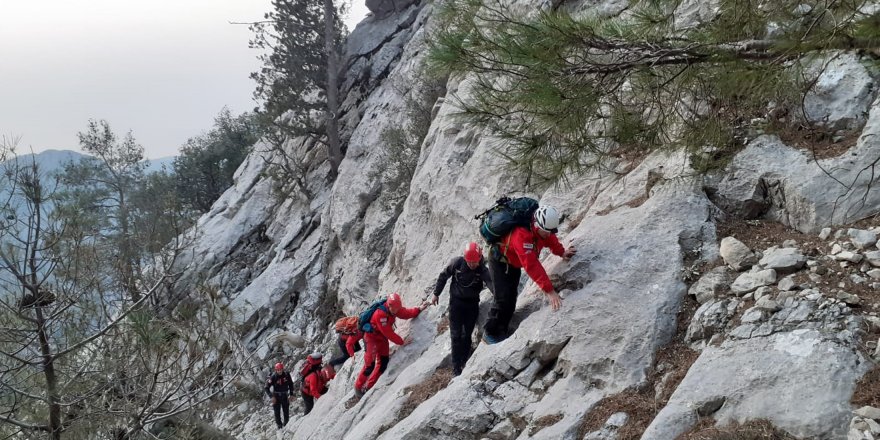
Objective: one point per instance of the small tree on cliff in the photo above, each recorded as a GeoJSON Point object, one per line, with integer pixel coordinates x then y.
{"type": "Point", "coordinates": [206, 164]}
{"type": "Point", "coordinates": [568, 94]}
{"type": "Point", "coordinates": [298, 79]}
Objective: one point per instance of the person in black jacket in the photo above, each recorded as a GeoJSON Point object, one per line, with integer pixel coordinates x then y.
{"type": "Point", "coordinates": [469, 274]}
{"type": "Point", "coordinates": [279, 387]}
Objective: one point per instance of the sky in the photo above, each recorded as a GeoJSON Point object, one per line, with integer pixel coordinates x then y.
{"type": "Point", "coordinates": [160, 68]}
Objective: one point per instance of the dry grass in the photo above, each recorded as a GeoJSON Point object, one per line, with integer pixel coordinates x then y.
{"type": "Point", "coordinates": [867, 391]}
{"type": "Point", "coordinates": [817, 142]}
{"type": "Point", "coordinates": [640, 404]}
{"type": "Point", "coordinates": [752, 430]}
{"type": "Point", "coordinates": [543, 422]}
{"type": "Point", "coordinates": [423, 391]}
{"type": "Point", "coordinates": [761, 234]}
{"type": "Point", "coordinates": [443, 324]}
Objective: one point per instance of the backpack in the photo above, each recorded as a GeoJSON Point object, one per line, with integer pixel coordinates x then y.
{"type": "Point", "coordinates": [499, 220]}
{"type": "Point", "coordinates": [347, 325]}
{"type": "Point", "coordinates": [365, 316]}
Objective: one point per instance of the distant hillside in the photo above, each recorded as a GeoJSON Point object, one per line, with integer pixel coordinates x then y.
{"type": "Point", "coordinates": [51, 161]}
{"type": "Point", "coordinates": [154, 165]}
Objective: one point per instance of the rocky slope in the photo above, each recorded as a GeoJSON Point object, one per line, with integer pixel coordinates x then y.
{"type": "Point", "coordinates": [775, 341]}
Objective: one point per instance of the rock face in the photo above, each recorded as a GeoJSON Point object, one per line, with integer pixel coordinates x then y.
{"type": "Point", "coordinates": [287, 265]}
{"type": "Point", "coordinates": [382, 8]}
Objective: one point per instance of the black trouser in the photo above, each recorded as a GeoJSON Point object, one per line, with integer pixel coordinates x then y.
{"type": "Point", "coordinates": [344, 356]}
{"type": "Point", "coordinates": [463, 316]}
{"type": "Point", "coordinates": [505, 280]}
{"type": "Point", "coordinates": [281, 404]}
{"type": "Point", "coordinates": [309, 401]}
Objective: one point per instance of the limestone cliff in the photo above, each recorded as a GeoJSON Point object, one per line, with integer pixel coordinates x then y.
{"type": "Point", "coordinates": [293, 264]}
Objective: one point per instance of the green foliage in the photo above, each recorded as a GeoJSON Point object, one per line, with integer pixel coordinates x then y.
{"type": "Point", "coordinates": [565, 94]}
{"type": "Point", "coordinates": [206, 164]}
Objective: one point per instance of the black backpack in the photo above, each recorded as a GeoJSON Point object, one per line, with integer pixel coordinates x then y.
{"type": "Point", "coordinates": [365, 316]}
{"type": "Point", "coordinates": [499, 220]}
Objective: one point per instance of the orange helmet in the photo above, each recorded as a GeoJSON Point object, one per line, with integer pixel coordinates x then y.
{"type": "Point", "coordinates": [473, 253]}
{"type": "Point", "coordinates": [394, 301]}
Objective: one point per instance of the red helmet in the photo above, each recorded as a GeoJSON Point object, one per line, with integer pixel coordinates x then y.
{"type": "Point", "coordinates": [279, 366]}
{"type": "Point", "coordinates": [473, 253]}
{"type": "Point", "coordinates": [394, 301]}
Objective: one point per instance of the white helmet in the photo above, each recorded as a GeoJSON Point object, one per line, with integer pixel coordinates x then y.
{"type": "Point", "coordinates": [547, 218]}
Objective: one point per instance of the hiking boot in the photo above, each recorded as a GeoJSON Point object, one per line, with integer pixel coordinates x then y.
{"type": "Point", "coordinates": [456, 370]}
{"type": "Point", "coordinates": [489, 339]}
{"type": "Point", "coordinates": [358, 393]}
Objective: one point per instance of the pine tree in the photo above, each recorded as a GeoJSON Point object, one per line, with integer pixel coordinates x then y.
{"type": "Point", "coordinates": [569, 94]}
{"type": "Point", "coordinates": [295, 87]}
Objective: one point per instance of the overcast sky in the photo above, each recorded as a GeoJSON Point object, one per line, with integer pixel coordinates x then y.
{"type": "Point", "coordinates": [161, 68]}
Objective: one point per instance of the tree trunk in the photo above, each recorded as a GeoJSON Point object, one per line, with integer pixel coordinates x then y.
{"type": "Point", "coordinates": [51, 380]}
{"type": "Point", "coordinates": [127, 252]}
{"type": "Point", "coordinates": [48, 362]}
{"type": "Point", "coordinates": [335, 150]}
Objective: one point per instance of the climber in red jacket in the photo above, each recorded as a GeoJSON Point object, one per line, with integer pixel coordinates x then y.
{"type": "Point", "coordinates": [382, 323]}
{"type": "Point", "coordinates": [349, 335]}
{"type": "Point", "coordinates": [314, 383]}
{"type": "Point", "coordinates": [519, 250]}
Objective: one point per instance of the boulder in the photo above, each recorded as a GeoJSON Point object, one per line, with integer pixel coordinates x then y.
{"type": "Point", "coordinates": [783, 261]}
{"type": "Point", "coordinates": [765, 303]}
{"type": "Point", "coordinates": [873, 258]}
{"type": "Point", "coordinates": [852, 257]}
{"type": "Point", "coordinates": [862, 239]}
{"type": "Point", "coordinates": [736, 254]}
{"type": "Point", "coordinates": [842, 94]}
{"type": "Point", "coordinates": [826, 232]}
{"type": "Point", "coordinates": [711, 318]}
{"type": "Point", "coordinates": [711, 284]}
{"type": "Point", "coordinates": [849, 298]}
{"type": "Point", "coordinates": [868, 412]}
{"type": "Point", "coordinates": [753, 315]}
{"type": "Point", "coordinates": [750, 281]}
{"type": "Point", "coordinates": [786, 283]}
{"type": "Point", "coordinates": [818, 379]}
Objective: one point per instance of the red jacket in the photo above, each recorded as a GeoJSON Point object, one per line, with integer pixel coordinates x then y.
{"type": "Point", "coordinates": [351, 340]}
{"type": "Point", "coordinates": [314, 384]}
{"type": "Point", "coordinates": [383, 322]}
{"type": "Point", "coordinates": [522, 247]}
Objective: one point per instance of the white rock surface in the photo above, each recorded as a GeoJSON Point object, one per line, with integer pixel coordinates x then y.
{"type": "Point", "coordinates": [843, 93]}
